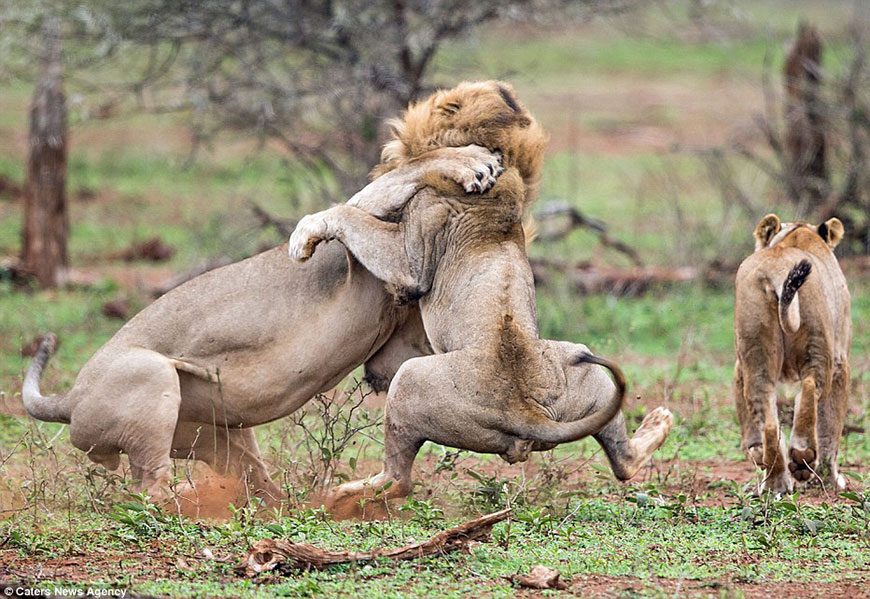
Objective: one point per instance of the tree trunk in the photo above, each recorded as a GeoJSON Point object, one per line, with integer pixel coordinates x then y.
{"type": "Point", "coordinates": [805, 127]}
{"type": "Point", "coordinates": [46, 224]}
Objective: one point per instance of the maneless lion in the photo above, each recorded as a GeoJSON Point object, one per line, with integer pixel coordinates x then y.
{"type": "Point", "coordinates": [243, 345]}
{"type": "Point", "coordinates": [792, 321]}
{"type": "Point", "coordinates": [493, 385]}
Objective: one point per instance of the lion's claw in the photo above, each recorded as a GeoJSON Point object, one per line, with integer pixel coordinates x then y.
{"type": "Point", "coordinates": [474, 167]}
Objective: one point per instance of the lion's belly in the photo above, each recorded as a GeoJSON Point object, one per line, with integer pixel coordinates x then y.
{"type": "Point", "coordinates": [258, 385]}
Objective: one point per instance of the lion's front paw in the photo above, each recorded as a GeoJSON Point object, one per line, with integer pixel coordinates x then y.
{"type": "Point", "coordinates": [475, 168]}
{"type": "Point", "coordinates": [310, 231]}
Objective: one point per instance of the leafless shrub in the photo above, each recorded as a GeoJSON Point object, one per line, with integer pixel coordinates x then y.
{"type": "Point", "coordinates": [331, 426]}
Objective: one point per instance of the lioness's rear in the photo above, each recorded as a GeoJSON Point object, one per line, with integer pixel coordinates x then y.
{"type": "Point", "coordinates": [792, 321]}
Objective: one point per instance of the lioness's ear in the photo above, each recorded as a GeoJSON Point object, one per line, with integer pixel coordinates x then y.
{"type": "Point", "coordinates": [766, 228]}
{"type": "Point", "coordinates": [831, 231]}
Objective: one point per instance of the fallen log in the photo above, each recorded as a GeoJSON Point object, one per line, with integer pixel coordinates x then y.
{"type": "Point", "coordinates": [268, 554]}
{"type": "Point", "coordinates": [587, 279]}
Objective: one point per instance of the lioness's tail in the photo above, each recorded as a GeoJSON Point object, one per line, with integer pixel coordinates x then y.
{"type": "Point", "coordinates": [789, 304]}
{"type": "Point", "coordinates": [545, 430]}
{"type": "Point", "coordinates": [48, 409]}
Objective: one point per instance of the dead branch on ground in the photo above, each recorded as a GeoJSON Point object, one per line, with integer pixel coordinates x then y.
{"type": "Point", "coordinates": [268, 554]}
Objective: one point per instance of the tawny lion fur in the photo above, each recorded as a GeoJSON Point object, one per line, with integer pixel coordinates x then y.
{"type": "Point", "coordinates": [792, 322]}
{"type": "Point", "coordinates": [244, 345]}
{"type": "Point", "coordinates": [259, 338]}
{"type": "Point", "coordinates": [493, 384]}
{"type": "Point", "coordinates": [485, 113]}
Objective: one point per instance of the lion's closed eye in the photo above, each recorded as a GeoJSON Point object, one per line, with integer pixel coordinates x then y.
{"type": "Point", "coordinates": [450, 108]}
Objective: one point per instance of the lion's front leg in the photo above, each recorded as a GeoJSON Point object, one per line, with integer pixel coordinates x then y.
{"type": "Point", "coordinates": [377, 245]}
{"type": "Point", "coordinates": [472, 167]}
{"type": "Point", "coordinates": [311, 230]}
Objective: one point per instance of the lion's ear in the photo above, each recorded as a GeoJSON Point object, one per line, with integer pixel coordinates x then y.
{"type": "Point", "coordinates": [508, 97]}
{"type": "Point", "coordinates": [831, 231]}
{"type": "Point", "coordinates": [766, 228]}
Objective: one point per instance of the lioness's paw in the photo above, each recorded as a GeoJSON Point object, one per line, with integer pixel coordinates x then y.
{"type": "Point", "coordinates": [475, 168]}
{"type": "Point", "coordinates": [310, 231]}
{"type": "Point", "coordinates": [756, 455]}
{"type": "Point", "coordinates": [802, 463]}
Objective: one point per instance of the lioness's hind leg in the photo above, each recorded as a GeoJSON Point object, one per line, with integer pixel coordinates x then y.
{"type": "Point", "coordinates": [760, 393]}
{"type": "Point", "coordinates": [751, 436]}
{"type": "Point", "coordinates": [832, 416]}
{"type": "Point", "coordinates": [803, 448]}
{"type": "Point", "coordinates": [627, 456]}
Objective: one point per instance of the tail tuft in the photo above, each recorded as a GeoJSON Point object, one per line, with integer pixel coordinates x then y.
{"type": "Point", "coordinates": [789, 310]}
{"type": "Point", "coordinates": [797, 276]}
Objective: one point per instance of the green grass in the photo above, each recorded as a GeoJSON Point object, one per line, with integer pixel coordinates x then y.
{"type": "Point", "coordinates": [687, 520]}
{"type": "Point", "coordinates": [544, 60]}
{"type": "Point", "coordinates": [637, 535]}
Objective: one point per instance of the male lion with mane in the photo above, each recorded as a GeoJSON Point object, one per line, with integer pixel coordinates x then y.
{"type": "Point", "coordinates": [252, 342]}
{"type": "Point", "coordinates": [493, 385]}
{"type": "Point", "coordinates": [792, 322]}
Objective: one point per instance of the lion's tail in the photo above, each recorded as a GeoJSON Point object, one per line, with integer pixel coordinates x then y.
{"type": "Point", "coordinates": [789, 303]}
{"type": "Point", "coordinates": [544, 430]}
{"type": "Point", "coordinates": [53, 408]}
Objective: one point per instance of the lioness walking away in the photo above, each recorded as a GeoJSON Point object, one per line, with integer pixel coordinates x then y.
{"type": "Point", "coordinates": [792, 322]}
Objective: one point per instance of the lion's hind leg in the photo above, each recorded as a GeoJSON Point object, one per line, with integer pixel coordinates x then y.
{"type": "Point", "coordinates": [803, 447]}
{"type": "Point", "coordinates": [142, 391]}
{"type": "Point", "coordinates": [441, 398]}
{"type": "Point", "coordinates": [759, 391]}
{"type": "Point", "coordinates": [628, 456]}
{"type": "Point", "coordinates": [832, 417]}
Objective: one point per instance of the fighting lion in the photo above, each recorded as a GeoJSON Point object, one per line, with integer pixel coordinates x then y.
{"type": "Point", "coordinates": [493, 385]}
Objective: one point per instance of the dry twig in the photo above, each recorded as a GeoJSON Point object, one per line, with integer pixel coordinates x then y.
{"type": "Point", "coordinates": [268, 554]}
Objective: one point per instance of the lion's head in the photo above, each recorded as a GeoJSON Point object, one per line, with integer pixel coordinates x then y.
{"type": "Point", "coordinates": [486, 113]}
{"type": "Point", "coordinates": [770, 231]}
